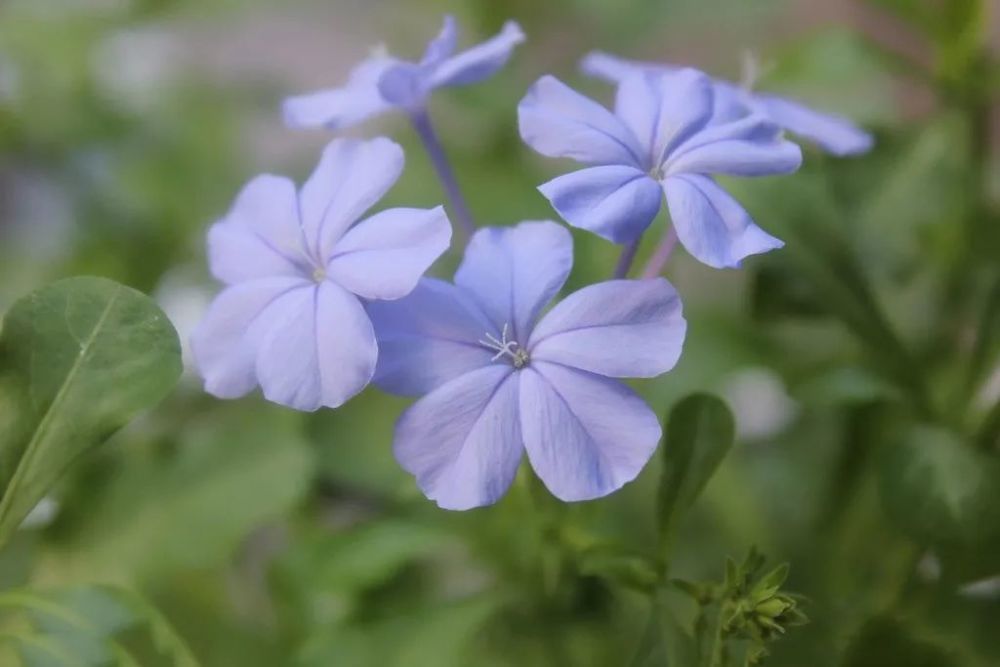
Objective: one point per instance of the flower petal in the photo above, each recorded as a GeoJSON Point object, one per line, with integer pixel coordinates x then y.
{"type": "Point", "coordinates": [613, 69]}
{"type": "Point", "coordinates": [618, 328]}
{"type": "Point", "coordinates": [224, 344]}
{"type": "Point", "coordinates": [443, 45]}
{"type": "Point", "coordinates": [260, 236]}
{"type": "Point", "coordinates": [462, 441]}
{"type": "Point", "coordinates": [749, 147]}
{"type": "Point", "coordinates": [514, 271]}
{"type": "Point", "coordinates": [319, 349]}
{"type": "Point", "coordinates": [615, 202]}
{"type": "Point", "coordinates": [351, 176]}
{"type": "Point", "coordinates": [429, 337]}
{"type": "Point", "coordinates": [732, 103]}
{"type": "Point", "coordinates": [339, 108]}
{"type": "Point", "coordinates": [663, 109]}
{"type": "Point", "coordinates": [384, 256]}
{"type": "Point", "coordinates": [481, 61]}
{"type": "Point", "coordinates": [586, 436]}
{"type": "Point", "coordinates": [835, 134]}
{"type": "Point", "coordinates": [557, 121]}
{"type": "Point", "coordinates": [711, 225]}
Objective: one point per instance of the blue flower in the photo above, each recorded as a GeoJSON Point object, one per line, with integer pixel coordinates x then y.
{"type": "Point", "coordinates": [500, 380]}
{"type": "Point", "coordinates": [383, 82]}
{"type": "Point", "coordinates": [296, 267]}
{"type": "Point", "coordinates": [832, 133]}
{"type": "Point", "coordinates": [661, 139]}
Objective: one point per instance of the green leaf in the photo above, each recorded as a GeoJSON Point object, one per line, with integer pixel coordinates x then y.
{"type": "Point", "coordinates": [629, 570]}
{"type": "Point", "coordinates": [190, 507]}
{"type": "Point", "coordinates": [94, 626]}
{"type": "Point", "coordinates": [78, 360]}
{"type": "Point", "coordinates": [699, 434]}
{"type": "Point", "coordinates": [438, 635]}
{"type": "Point", "coordinates": [941, 490]}
{"type": "Point", "coordinates": [884, 641]}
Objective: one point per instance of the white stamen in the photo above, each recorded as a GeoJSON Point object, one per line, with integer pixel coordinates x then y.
{"type": "Point", "coordinates": [506, 348]}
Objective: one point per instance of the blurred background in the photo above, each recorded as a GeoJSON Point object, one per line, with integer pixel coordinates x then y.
{"type": "Point", "coordinates": [271, 538]}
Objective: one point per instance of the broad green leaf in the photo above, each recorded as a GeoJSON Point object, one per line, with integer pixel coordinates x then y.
{"type": "Point", "coordinates": [78, 360]}
{"type": "Point", "coordinates": [699, 434]}
{"type": "Point", "coordinates": [941, 490]}
{"type": "Point", "coordinates": [190, 507]}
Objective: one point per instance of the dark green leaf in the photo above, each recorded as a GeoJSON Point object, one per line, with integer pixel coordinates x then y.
{"type": "Point", "coordinates": [941, 490]}
{"type": "Point", "coordinates": [699, 434]}
{"type": "Point", "coordinates": [884, 641]}
{"type": "Point", "coordinates": [78, 360]}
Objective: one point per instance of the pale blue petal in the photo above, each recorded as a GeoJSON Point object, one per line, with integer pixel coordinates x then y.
{"type": "Point", "coordinates": [835, 134]}
{"type": "Point", "coordinates": [711, 225]}
{"type": "Point", "coordinates": [586, 436]}
{"type": "Point", "coordinates": [613, 69]}
{"type": "Point", "coordinates": [443, 45]}
{"type": "Point", "coordinates": [618, 328]}
{"type": "Point", "coordinates": [732, 103]}
{"type": "Point", "coordinates": [752, 146]}
{"type": "Point", "coordinates": [384, 256]}
{"type": "Point", "coordinates": [260, 236]}
{"type": "Point", "coordinates": [462, 441]}
{"type": "Point", "coordinates": [512, 272]}
{"type": "Point", "coordinates": [318, 350]}
{"type": "Point", "coordinates": [557, 121]}
{"type": "Point", "coordinates": [224, 343]}
{"type": "Point", "coordinates": [481, 61]}
{"type": "Point", "coordinates": [351, 176]}
{"type": "Point", "coordinates": [664, 109]}
{"type": "Point", "coordinates": [616, 203]}
{"type": "Point", "coordinates": [429, 337]}
{"type": "Point", "coordinates": [338, 108]}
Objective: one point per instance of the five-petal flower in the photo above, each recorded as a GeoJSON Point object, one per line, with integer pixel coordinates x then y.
{"type": "Point", "coordinates": [296, 267]}
{"type": "Point", "coordinates": [661, 139]}
{"type": "Point", "coordinates": [383, 82]}
{"type": "Point", "coordinates": [500, 380]}
{"type": "Point", "coordinates": [834, 134]}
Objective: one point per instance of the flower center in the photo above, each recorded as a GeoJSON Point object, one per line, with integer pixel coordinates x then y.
{"type": "Point", "coordinates": [319, 274]}
{"type": "Point", "coordinates": [503, 347]}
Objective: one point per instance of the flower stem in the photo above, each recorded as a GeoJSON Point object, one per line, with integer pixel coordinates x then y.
{"type": "Point", "coordinates": [660, 256]}
{"type": "Point", "coordinates": [421, 122]}
{"type": "Point", "coordinates": [626, 258]}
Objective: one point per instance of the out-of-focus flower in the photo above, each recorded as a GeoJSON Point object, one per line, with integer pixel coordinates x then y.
{"type": "Point", "coordinates": [834, 134]}
{"type": "Point", "coordinates": [296, 268]}
{"type": "Point", "coordinates": [384, 82]}
{"type": "Point", "coordinates": [661, 139]}
{"type": "Point", "coordinates": [498, 383]}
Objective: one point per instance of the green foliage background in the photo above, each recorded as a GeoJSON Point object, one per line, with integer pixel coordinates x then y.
{"type": "Point", "coordinates": [860, 362]}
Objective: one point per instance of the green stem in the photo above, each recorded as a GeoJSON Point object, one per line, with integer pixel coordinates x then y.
{"type": "Point", "coordinates": [714, 655]}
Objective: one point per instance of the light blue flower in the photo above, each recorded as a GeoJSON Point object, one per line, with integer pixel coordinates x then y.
{"type": "Point", "coordinates": [296, 268]}
{"type": "Point", "coordinates": [661, 139]}
{"type": "Point", "coordinates": [498, 378]}
{"type": "Point", "coordinates": [834, 134]}
{"type": "Point", "coordinates": [384, 82]}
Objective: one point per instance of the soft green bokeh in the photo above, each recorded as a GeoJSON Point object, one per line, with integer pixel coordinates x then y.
{"type": "Point", "coordinates": [860, 361]}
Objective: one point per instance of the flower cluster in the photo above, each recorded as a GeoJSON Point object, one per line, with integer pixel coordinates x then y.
{"type": "Point", "coordinates": [318, 304]}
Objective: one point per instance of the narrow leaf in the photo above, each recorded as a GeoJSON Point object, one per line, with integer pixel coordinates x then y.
{"type": "Point", "coordinates": [699, 434]}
